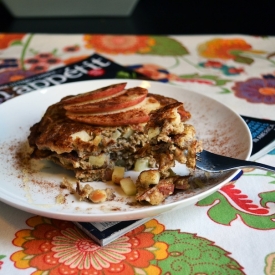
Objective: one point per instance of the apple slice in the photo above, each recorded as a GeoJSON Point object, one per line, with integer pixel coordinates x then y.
{"type": "Point", "coordinates": [130, 98]}
{"type": "Point", "coordinates": [96, 94]}
{"type": "Point", "coordinates": [133, 116]}
{"type": "Point", "coordinates": [185, 115]}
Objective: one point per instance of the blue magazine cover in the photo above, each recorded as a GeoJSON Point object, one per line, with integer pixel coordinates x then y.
{"type": "Point", "coordinates": [105, 232]}
{"type": "Point", "coordinates": [263, 136]}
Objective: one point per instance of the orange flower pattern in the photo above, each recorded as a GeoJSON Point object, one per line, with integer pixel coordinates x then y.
{"type": "Point", "coordinates": [116, 44]}
{"type": "Point", "coordinates": [222, 48]}
{"type": "Point", "coordinates": [7, 39]}
{"type": "Point", "coordinates": [59, 247]}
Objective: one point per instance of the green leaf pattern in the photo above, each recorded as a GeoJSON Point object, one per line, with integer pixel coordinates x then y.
{"type": "Point", "coordinates": [221, 211]}
{"type": "Point", "coordinates": [193, 255]}
{"type": "Point", "coordinates": [166, 46]}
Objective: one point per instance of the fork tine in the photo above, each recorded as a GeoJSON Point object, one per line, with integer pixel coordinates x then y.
{"type": "Point", "coordinates": [211, 162]}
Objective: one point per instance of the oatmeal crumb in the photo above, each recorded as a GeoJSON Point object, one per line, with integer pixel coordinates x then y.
{"type": "Point", "coordinates": [65, 184]}
{"type": "Point", "coordinates": [60, 199]}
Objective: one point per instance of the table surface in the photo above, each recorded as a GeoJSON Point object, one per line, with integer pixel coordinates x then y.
{"type": "Point", "coordinates": [160, 17]}
{"type": "Point", "coordinates": [230, 232]}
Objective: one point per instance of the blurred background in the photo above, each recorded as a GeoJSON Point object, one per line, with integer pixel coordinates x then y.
{"type": "Point", "coordinates": [144, 17]}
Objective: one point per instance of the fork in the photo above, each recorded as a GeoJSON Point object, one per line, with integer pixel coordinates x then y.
{"type": "Point", "coordinates": [211, 162]}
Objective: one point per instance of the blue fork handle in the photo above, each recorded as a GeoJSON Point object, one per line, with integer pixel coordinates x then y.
{"type": "Point", "coordinates": [245, 164]}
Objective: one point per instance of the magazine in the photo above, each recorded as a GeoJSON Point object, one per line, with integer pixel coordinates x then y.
{"type": "Point", "coordinates": [263, 136]}
{"type": "Point", "coordinates": [93, 67]}
{"type": "Point", "coordinates": [105, 232]}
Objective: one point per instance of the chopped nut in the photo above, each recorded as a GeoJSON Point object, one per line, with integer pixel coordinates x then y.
{"type": "Point", "coordinates": [94, 195]}
{"type": "Point", "coordinates": [182, 183]}
{"type": "Point", "coordinates": [98, 196]}
{"type": "Point", "coordinates": [158, 193]}
{"type": "Point", "coordinates": [110, 194]}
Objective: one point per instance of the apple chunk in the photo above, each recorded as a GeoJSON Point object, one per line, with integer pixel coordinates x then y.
{"type": "Point", "coordinates": [96, 94]}
{"type": "Point", "coordinates": [130, 98]}
{"type": "Point", "coordinates": [128, 186]}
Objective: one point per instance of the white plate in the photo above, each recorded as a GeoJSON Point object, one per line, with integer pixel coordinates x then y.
{"type": "Point", "coordinates": [34, 189]}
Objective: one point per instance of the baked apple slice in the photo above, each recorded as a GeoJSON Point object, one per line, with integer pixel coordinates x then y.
{"type": "Point", "coordinates": [133, 116]}
{"type": "Point", "coordinates": [131, 97]}
{"type": "Point", "coordinates": [185, 115]}
{"type": "Point", "coordinates": [95, 95]}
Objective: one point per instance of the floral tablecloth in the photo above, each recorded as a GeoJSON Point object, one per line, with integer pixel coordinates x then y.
{"type": "Point", "coordinates": [230, 232]}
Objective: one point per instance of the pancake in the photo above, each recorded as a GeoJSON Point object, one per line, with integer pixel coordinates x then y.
{"type": "Point", "coordinates": [91, 141]}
